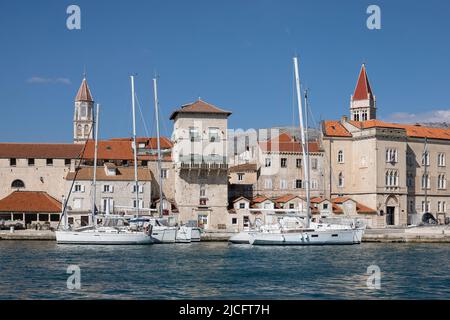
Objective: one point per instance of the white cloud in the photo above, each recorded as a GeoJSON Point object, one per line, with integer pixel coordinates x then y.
{"type": "Point", "coordinates": [43, 80]}
{"type": "Point", "coordinates": [422, 117]}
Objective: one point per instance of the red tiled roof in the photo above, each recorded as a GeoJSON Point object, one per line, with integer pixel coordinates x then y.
{"type": "Point", "coordinates": [285, 198]}
{"type": "Point", "coordinates": [109, 150]}
{"type": "Point", "coordinates": [122, 174]}
{"type": "Point", "coordinates": [30, 201]}
{"type": "Point", "coordinates": [335, 129]}
{"type": "Point", "coordinates": [199, 106]}
{"type": "Point", "coordinates": [40, 150]}
{"type": "Point", "coordinates": [244, 167]}
{"type": "Point", "coordinates": [259, 199]}
{"type": "Point", "coordinates": [84, 94]}
{"type": "Point", "coordinates": [362, 90]}
{"type": "Point", "coordinates": [285, 143]}
{"type": "Point", "coordinates": [150, 142]}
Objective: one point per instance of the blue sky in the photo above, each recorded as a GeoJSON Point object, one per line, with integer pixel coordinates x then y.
{"type": "Point", "coordinates": [234, 54]}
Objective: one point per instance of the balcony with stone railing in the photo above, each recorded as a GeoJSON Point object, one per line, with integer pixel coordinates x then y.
{"type": "Point", "coordinates": [200, 162]}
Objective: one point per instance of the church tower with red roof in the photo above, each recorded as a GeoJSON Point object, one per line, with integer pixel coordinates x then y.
{"type": "Point", "coordinates": [83, 119]}
{"type": "Point", "coordinates": [363, 102]}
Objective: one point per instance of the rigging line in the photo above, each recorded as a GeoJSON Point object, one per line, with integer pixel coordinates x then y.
{"type": "Point", "coordinates": [77, 169]}
{"type": "Point", "coordinates": [141, 114]}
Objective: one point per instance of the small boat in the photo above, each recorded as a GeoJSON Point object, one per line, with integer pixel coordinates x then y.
{"type": "Point", "coordinates": [162, 233]}
{"type": "Point", "coordinates": [196, 234]}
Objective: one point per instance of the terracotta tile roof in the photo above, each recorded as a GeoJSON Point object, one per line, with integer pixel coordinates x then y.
{"type": "Point", "coordinates": [122, 174]}
{"type": "Point", "coordinates": [40, 150]}
{"type": "Point", "coordinates": [244, 167]}
{"type": "Point", "coordinates": [286, 198]}
{"type": "Point", "coordinates": [84, 94]}
{"type": "Point", "coordinates": [199, 106]}
{"type": "Point", "coordinates": [285, 143]}
{"type": "Point", "coordinates": [335, 129]}
{"type": "Point", "coordinates": [362, 90]}
{"type": "Point", "coordinates": [150, 142]}
{"type": "Point", "coordinates": [259, 199]}
{"type": "Point", "coordinates": [30, 201]}
{"type": "Point", "coordinates": [109, 150]}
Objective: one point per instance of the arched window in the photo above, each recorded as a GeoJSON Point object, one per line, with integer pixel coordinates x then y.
{"type": "Point", "coordinates": [341, 180]}
{"type": "Point", "coordinates": [341, 156]}
{"type": "Point", "coordinates": [17, 184]}
{"type": "Point", "coordinates": [86, 131]}
{"type": "Point", "coordinates": [79, 129]}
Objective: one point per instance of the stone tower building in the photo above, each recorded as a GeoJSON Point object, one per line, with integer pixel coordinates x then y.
{"type": "Point", "coordinates": [83, 119]}
{"type": "Point", "coordinates": [363, 102]}
{"type": "Point", "coordinates": [199, 154]}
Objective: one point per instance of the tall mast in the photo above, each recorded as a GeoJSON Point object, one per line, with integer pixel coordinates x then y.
{"type": "Point", "coordinates": [302, 133]}
{"type": "Point", "coordinates": [308, 183]}
{"type": "Point", "coordinates": [158, 137]}
{"type": "Point", "coordinates": [94, 180]}
{"type": "Point", "coordinates": [136, 184]}
{"type": "Point", "coordinates": [424, 157]}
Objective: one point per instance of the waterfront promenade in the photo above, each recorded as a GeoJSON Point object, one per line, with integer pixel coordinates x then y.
{"type": "Point", "coordinates": [435, 234]}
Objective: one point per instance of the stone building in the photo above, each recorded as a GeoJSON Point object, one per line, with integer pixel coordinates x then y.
{"type": "Point", "coordinates": [383, 164]}
{"type": "Point", "coordinates": [83, 118]}
{"type": "Point", "coordinates": [199, 155]}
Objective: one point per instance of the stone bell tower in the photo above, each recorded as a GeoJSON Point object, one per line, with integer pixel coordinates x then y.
{"type": "Point", "coordinates": [363, 103]}
{"type": "Point", "coordinates": [83, 119]}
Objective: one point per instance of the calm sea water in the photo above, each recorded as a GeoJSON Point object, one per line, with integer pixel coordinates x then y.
{"type": "Point", "coordinates": [37, 270]}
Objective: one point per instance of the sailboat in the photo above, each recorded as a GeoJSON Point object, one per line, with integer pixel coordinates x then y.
{"type": "Point", "coordinates": [161, 233]}
{"type": "Point", "coordinates": [114, 230]}
{"type": "Point", "coordinates": [306, 232]}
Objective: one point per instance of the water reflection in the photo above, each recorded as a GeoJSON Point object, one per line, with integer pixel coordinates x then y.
{"type": "Point", "coordinates": [37, 270]}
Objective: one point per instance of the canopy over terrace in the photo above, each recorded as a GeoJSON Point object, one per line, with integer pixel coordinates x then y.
{"type": "Point", "coordinates": [30, 207]}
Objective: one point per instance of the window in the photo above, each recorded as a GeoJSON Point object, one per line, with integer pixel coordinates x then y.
{"type": "Point", "coordinates": [202, 191]}
{"type": "Point", "coordinates": [314, 185]}
{"type": "Point", "coordinates": [140, 188]}
{"type": "Point", "coordinates": [341, 156]}
{"type": "Point", "coordinates": [246, 221]}
{"type": "Point", "coordinates": [12, 162]}
{"type": "Point", "coordinates": [325, 206]}
{"type": "Point", "coordinates": [268, 162]}
{"type": "Point", "coordinates": [298, 163]}
{"type": "Point", "coordinates": [77, 203]}
{"type": "Point", "coordinates": [427, 209]}
{"type": "Point", "coordinates": [49, 162]}
{"type": "Point", "coordinates": [268, 184]}
{"type": "Point", "coordinates": [298, 184]}
{"type": "Point", "coordinates": [213, 135]}
{"type": "Point", "coordinates": [391, 155]}
{"type": "Point", "coordinates": [240, 176]}
{"type": "Point", "coordinates": [164, 173]}
{"type": "Point", "coordinates": [31, 162]}
{"type": "Point", "coordinates": [108, 205]}
{"type": "Point", "coordinates": [314, 164]}
{"type": "Point", "coordinates": [283, 184]}
{"type": "Point", "coordinates": [202, 221]}
{"type": "Point", "coordinates": [426, 159]}
{"type": "Point", "coordinates": [194, 134]}
{"type": "Point", "coordinates": [233, 220]}
{"type": "Point", "coordinates": [391, 178]}
{"type": "Point", "coordinates": [410, 180]}
{"type": "Point", "coordinates": [141, 203]}
{"type": "Point", "coordinates": [441, 160]}
{"type": "Point", "coordinates": [283, 163]}
{"type": "Point", "coordinates": [364, 115]}
{"type": "Point", "coordinates": [67, 162]}
{"type": "Point", "coordinates": [83, 112]}
{"type": "Point", "coordinates": [77, 188]}
{"type": "Point", "coordinates": [144, 163]}
{"type": "Point", "coordinates": [411, 206]}
{"type": "Point", "coordinates": [108, 188]}
{"type": "Point", "coordinates": [426, 181]}
{"type": "Point", "coordinates": [442, 182]}
{"type": "Point", "coordinates": [242, 205]}
{"type": "Point", "coordinates": [341, 180]}
{"type": "Point", "coordinates": [291, 205]}
{"type": "Point", "coordinates": [17, 184]}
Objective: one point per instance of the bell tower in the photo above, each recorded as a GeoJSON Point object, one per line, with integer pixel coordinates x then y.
{"type": "Point", "coordinates": [363, 102]}
{"type": "Point", "coordinates": [83, 119]}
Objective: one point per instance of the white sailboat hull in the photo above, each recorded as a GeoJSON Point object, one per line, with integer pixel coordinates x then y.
{"type": "Point", "coordinates": [184, 235]}
{"type": "Point", "coordinates": [242, 237]}
{"type": "Point", "coordinates": [102, 238]}
{"type": "Point", "coordinates": [323, 237]}
{"type": "Point", "coordinates": [162, 234]}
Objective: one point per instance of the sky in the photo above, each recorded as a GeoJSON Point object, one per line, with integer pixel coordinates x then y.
{"type": "Point", "coordinates": [234, 54]}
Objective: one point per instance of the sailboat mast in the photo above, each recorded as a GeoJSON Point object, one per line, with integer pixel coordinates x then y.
{"type": "Point", "coordinates": [424, 157]}
{"type": "Point", "coordinates": [136, 184]}
{"type": "Point", "coordinates": [302, 133]}
{"type": "Point", "coordinates": [158, 138]}
{"type": "Point", "coordinates": [94, 180]}
{"type": "Point", "coordinates": [308, 177]}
